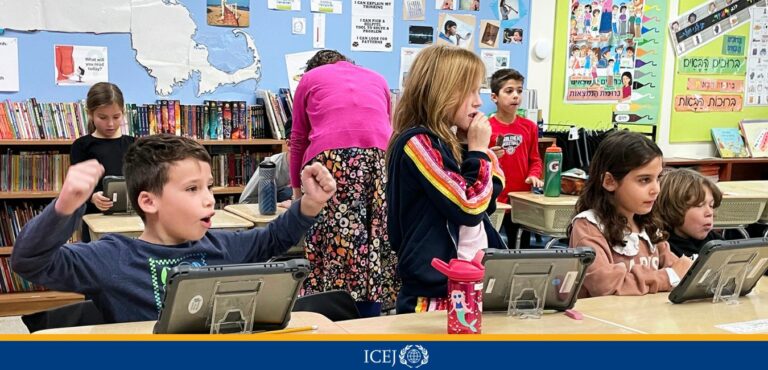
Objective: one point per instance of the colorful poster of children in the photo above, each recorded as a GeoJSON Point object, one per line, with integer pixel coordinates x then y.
{"type": "Point", "coordinates": [603, 39]}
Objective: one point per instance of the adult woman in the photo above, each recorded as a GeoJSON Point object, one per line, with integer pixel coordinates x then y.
{"type": "Point", "coordinates": [341, 119]}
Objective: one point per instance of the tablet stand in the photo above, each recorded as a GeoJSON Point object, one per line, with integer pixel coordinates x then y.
{"type": "Point", "coordinates": [729, 279]}
{"type": "Point", "coordinates": [528, 293]}
{"type": "Point", "coordinates": [234, 307]}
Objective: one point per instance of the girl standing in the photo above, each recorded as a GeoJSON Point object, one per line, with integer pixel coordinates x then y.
{"type": "Point", "coordinates": [439, 198]}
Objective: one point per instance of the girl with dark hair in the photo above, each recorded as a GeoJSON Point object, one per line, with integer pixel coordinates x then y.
{"type": "Point", "coordinates": [615, 216]}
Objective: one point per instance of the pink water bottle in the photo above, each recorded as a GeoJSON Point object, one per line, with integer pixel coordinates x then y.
{"type": "Point", "coordinates": [465, 293]}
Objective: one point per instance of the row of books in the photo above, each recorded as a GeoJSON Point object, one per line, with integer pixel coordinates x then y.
{"type": "Point", "coordinates": [750, 139]}
{"type": "Point", "coordinates": [32, 120]}
{"type": "Point", "coordinates": [13, 216]}
{"type": "Point", "coordinates": [11, 282]}
{"type": "Point", "coordinates": [213, 120]}
{"type": "Point", "coordinates": [235, 169]}
{"type": "Point", "coordinates": [32, 171]}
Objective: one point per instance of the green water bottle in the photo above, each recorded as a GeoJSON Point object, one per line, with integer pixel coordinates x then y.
{"type": "Point", "coordinates": [553, 158]}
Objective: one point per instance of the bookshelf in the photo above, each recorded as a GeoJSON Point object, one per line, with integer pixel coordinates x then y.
{"type": "Point", "coordinates": [728, 169]}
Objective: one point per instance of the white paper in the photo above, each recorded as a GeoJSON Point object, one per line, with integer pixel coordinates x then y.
{"type": "Point", "coordinates": [325, 6]}
{"type": "Point", "coordinates": [97, 16]}
{"type": "Point", "coordinates": [76, 65]}
{"type": "Point", "coordinates": [9, 64]}
{"type": "Point", "coordinates": [373, 7]}
{"type": "Point", "coordinates": [746, 327]}
{"type": "Point", "coordinates": [407, 55]}
{"type": "Point", "coordinates": [446, 4]}
{"type": "Point", "coordinates": [295, 64]}
{"type": "Point", "coordinates": [298, 26]}
{"type": "Point", "coordinates": [756, 81]}
{"type": "Point", "coordinates": [494, 60]}
{"type": "Point", "coordinates": [371, 33]}
{"type": "Point", "coordinates": [294, 5]}
{"type": "Point", "coordinates": [413, 10]}
{"type": "Point", "coordinates": [318, 30]}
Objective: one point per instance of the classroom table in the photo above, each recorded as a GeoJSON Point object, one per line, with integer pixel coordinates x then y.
{"type": "Point", "coordinates": [548, 216]}
{"type": "Point", "coordinates": [132, 226]}
{"type": "Point", "coordinates": [743, 204]}
{"type": "Point", "coordinates": [654, 313]}
{"type": "Point", "coordinates": [298, 319]}
{"type": "Point", "coordinates": [435, 322]}
{"type": "Point", "coordinates": [251, 213]}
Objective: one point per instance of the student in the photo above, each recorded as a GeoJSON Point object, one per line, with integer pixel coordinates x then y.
{"type": "Point", "coordinates": [687, 204]}
{"type": "Point", "coordinates": [615, 216]}
{"type": "Point", "coordinates": [105, 141]}
{"type": "Point", "coordinates": [438, 197]}
{"type": "Point", "coordinates": [515, 141]}
{"type": "Point", "coordinates": [169, 182]}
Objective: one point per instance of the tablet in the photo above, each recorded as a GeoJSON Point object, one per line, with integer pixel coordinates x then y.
{"type": "Point", "coordinates": [529, 274]}
{"type": "Point", "coordinates": [723, 258]}
{"type": "Point", "coordinates": [116, 190]}
{"type": "Point", "coordinates": [230, 298]}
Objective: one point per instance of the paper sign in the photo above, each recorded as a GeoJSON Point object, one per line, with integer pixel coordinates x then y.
{"type": "Point", "coordinates": [325, 6]}
{"type": "Point", "coordinates": [707, 84]}
{"type": "Point", "coordinates": [371, 33]}
{"type": "Point", "coordinates": [712, 66]}
{"type": "Point", "coordinates": [294, 5]}
{"type": "Point", "coordinates": [413, 10]}
{"type": "Point", "coordinates": [708, 103]}
{"type": "Point", "coordinates": [9, 64]}
{"type": "Point", "coordinates": [80, 65]}
{"type": "Point", "coordinates": [734, 45]}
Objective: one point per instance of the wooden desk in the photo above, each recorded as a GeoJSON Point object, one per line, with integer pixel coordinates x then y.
{"type": "Point", "coordinates": [132, 226]}
{"type": "Point", "coordinates": [251, 213]}
{"type": "Point", "coordinates": [654, 313]}
{"type": "Point", "coordinates": [543, 215]}
{"type": "Point", "coordinates": [493, 323]}
{"type": "Point", "coordinates": [298, 319]}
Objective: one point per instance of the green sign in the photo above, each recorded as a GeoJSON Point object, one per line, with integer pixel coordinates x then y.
{"type": "Point", "coordinates": [734, 45]}
{"type": "Point", "coordinates": [712, 66]}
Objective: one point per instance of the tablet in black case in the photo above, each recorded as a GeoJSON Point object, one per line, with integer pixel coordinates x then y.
{"type": "Point", "coordinates": [563, 270]}
{"type": "Point", "coordinates": [221, 299]}
{"type": "Point", "coordinates": [720, 258]}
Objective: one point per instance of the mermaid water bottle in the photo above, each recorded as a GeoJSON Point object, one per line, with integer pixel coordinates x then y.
{"type": "Point", "coordinates": [465, 293]}
{"type": "Point", "coordinates": [553, 157]}
{"type": "Point", "coordinates": [267, 188]}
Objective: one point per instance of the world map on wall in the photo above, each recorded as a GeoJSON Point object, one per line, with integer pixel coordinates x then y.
{"type": "Point", "coordinates": [168, 43]}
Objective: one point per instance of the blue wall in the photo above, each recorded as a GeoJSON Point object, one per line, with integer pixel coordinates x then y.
{"type": "Point", "coordinates": [271, 30]}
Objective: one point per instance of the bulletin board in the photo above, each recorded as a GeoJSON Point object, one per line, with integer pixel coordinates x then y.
{"type": "Point", "coordinates": [649, 64]}
{"type": "Point", "coordinates": [697, 126]}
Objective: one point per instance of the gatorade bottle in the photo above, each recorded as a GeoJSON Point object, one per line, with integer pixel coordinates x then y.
{"type": "Point", "coordinates": [552, 160]}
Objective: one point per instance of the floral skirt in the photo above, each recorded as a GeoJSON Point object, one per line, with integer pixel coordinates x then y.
{"type": "Point", "coordinates": [348, 247]}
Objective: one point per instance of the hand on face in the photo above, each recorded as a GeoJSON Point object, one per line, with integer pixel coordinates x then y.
{"type": "Point", "coordinates": [479, 133]}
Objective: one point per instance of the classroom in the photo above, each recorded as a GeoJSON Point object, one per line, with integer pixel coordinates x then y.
{"type": "Point", "coordinates": [354, 167]}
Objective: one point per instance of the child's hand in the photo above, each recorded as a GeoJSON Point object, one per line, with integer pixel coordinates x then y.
{"type": "Point", "coordinates": [681, 266]}
{"type": "Point", "coordinates": [534, 181]}
{"type": "Point", "coordinates": [319, 186]}
{"type": "Point", "coordinates": [285, 204]}
{"type": "Point", "coordinates": [78, 185]}
{"type": "Point", "coordinates": [102, 203]}
{"type": "Point", "coordinates": [479, 133]}
{"type": "Point", "coordinates": [499, 151]}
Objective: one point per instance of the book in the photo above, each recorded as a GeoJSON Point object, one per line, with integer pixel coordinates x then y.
{"type": "Point", "coordinates": [729, 143]}
{"type": "Point", "coordinates": [756, 137]}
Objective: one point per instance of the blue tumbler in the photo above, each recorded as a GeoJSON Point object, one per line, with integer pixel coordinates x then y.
{"type": "Point", "coordinates": [267, 188]}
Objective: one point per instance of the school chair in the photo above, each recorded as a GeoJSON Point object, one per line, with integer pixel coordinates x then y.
{"type": "Point", "coordinates": [75, 314]}
{"type": "Point", "coordinates": [337, 305]}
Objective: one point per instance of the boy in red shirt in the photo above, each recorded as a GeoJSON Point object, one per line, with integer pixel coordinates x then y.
{"type": "Point", "coordinates": [515, 141]}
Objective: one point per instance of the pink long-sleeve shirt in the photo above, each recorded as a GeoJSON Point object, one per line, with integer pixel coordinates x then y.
{"type": "Point", "coordinates": [338, 106]}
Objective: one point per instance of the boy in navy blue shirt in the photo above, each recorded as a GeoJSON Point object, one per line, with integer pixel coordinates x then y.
{"type": "Point", "coordinates": [169, 183]}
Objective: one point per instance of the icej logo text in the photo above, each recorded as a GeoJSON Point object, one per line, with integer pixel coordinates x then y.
{"type": "Point", "coordinates": [412, 356]}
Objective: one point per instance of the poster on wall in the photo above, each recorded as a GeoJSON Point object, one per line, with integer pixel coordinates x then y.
{"type": "Point", "coordinates": [455, 29]}
{"type": "Point", "coordinates": [446, 4]}
{"type": "Point", "coordinates": [494, 60]}
{"type": "Point", "coordinates": [489, 34]}
{"type": "Point", "coordinates": [295, 64]}
{"type": "Point", "coordinates": [414, 10]}
{"type": "Point", "coordinates": [325, 6]}
{"type": "Point", "coordinates": [294, 5]}
{"type": "Point", "coordinates": [604, 43]}
{"type": "Point", "coordinates": [372, 25]}
{"type": "Point", "coordinates": [757, 59]}
{"type": "Point", "coordinates": [76, 65]}
{"type": "Point", "coordinates": [707, 22]}
{"type": "Point", "coordinates": [407, 55]}
{"type": "Point", "coordinates": [9, 64]}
